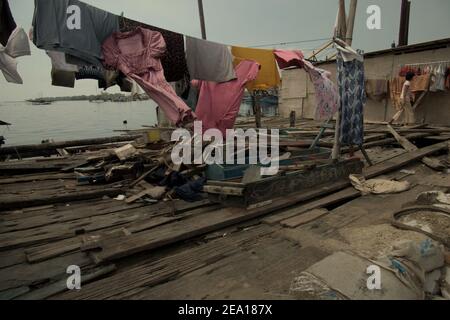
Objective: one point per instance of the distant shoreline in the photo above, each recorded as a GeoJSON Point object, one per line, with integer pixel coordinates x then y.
{"type": "Point", "coordinates": [116, 97]}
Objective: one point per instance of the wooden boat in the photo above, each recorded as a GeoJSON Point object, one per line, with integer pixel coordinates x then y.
{"type": "Point", "coordinates": [41, 102]}
{"type": "Point", "coordinates": [240, 194]}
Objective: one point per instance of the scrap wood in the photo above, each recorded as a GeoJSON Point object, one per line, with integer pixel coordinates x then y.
{"type": "Point", "coordinates": [162, 160]}
{"type": "Point", "coordinates": [156, 192]}
{"type": "Point", "coordinates": [401, 140]}
{"type": "Point", "coordinates": [408, 146]}
{"type": "Point", "coordinates": [209, 222]}
{"type": "Point", "coordinates": [125, 152]}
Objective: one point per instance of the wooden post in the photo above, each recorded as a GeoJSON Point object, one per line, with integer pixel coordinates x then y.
{"type": "Point", "coordinates": [337, 145]}
{"type": "Point", "coordinates": [404, 23]}
{"type": "Point", "coordinates": [342, 24]}
{"type": "Point", "coordinates": [258, 109]}
{"type": "Point", "coordinates": [292, 118]}
{"type": "Point", "coordinates": [202, 19]}
{"type": "Point", "coordinates": [351, 22]}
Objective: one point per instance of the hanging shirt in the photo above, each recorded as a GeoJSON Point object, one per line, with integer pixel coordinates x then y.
{"type": "Point", "coordinates": [289, 58]}
{"type": "Point", "coordinates": [17, 46]}
{"type": "Point", "coordinates": [352, 99]}
{"type": "Point", "coordinates": [137, 54]}
{"type": "Point", "coordinates": [7, 23]}
{"type": "Point", "coordinates": [174, 58]}
{"type": "Point", "coordinates": [268, 76]}
{"type": "Point", "coordinates": [72, 27]}
{"type": "Point", "coordinates": [327, 97]}
{"type": "Point", "coordinates": [377, 89]}
{"type": "Point", "coordinates": [209, 61]}
{"type": "Point", "coordinates": [59, 62]}
{"type": "Point", "coordinates": [219, 103]}
{"type": "Point", "coordinates": [440, 77]}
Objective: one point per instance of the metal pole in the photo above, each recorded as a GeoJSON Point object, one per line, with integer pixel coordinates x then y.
{"type": "Point", "coordinates": [202, 18]}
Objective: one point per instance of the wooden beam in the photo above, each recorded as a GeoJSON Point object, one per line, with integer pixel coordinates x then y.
{"type": "Point", "coordinates": [408, 146]}
{"type": "Point", "coordinates": [202, 19]}
{"type": "Point", "coordinates": [351, 22]}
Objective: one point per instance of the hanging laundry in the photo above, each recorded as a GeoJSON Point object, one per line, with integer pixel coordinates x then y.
{"type": "Point", "coordinates": [352, 97]}
{"type": "Point", "coordinates": [174, 59]}
{"type": "Point", "coordinates": [219, 103]}
{"type": "Point", "coordinates": [137, 54]}
{"type": "Point", "coordinates": [289, 58]}
{"type": "Point", "coordinates": [327, 98]}
{"type": "Point", "coordinates": [17, 46]}
{"type": "Point", "coordinates": [447, 79]}
{"type": "Point", "coordinates": [268, 77]}
{"type": "Point", "coordinates": [377, 89]}
{"type": "Point", "coordinates": [7, 23]}
{"type": "Point", "coordinates": [440, 77]}
{"type": "Point", "coordinates": [59, 26]}
{"type": "Point", "coordinates": [59, 62]}
{"type": "Point", "coordinates": [61, 78]}
{"type": "Point", "coordinates": [209, 61]}
{"type": "Point", "coordinates": [188, 93]}
{"type": "Point", "coordinates": [419, 84]}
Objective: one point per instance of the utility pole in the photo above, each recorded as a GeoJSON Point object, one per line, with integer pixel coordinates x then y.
{"type": "Point", "coordinates": [351, 22]}
{"type": "Point", "coordinates": [404, 23]}
{"type": "Point", "coordinates": [202, 18]}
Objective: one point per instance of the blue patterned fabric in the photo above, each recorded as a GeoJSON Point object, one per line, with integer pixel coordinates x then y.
{"type": "Point", "coordinates": [351, 86]}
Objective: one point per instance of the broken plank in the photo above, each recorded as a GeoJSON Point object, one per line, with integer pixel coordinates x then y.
{"type": "Point", "coordinates": [403, 160]}
{"type": "Point", "coordinates": [402, 140]}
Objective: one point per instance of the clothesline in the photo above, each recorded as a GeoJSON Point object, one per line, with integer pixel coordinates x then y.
{"type": "Point", "coordinates": [425, 63]}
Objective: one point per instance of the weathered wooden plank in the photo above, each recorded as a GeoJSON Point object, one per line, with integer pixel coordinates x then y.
{"type": "Point", "coordinates": [36, 200]}
{"type": "Point", "coordinates": [36, 148]}
{"type": "Point", "coordinates": [36, 177]}
{"type": "Point", "coordinates": [61, 285]}
{"type": "Point", "coordinates": [304, 218]}
{"type": "Point", "coordinates": [402, 140]}
{"type": "Point", "coordinates": [157, 269]}
{"type": "Point", "coordinates": [346, 194]}
{"type": "Point", "coordinates": [402, 160]}
{"type": "Point", "coordinates": [26, 274]}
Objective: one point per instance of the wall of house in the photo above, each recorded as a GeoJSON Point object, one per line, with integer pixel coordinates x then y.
{"type": "Point", "coordinates": [298, 92]}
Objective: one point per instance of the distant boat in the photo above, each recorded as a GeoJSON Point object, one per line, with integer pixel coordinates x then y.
{"type": "Point", "coordinates": [41, 102]}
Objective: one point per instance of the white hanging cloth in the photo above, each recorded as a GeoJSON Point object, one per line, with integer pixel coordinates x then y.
{"type": "Point", "coordinates": [18, 45]}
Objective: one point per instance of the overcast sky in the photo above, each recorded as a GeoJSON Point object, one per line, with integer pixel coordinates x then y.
{"type": "Point", "coordinates": [239, 22]}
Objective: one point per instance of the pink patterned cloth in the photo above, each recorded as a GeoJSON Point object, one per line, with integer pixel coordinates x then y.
{"type": "Point", "coordinates": [327, 97]}
{"type": "Point", "coordinates": [137, 54]}
{"type": "Point", "coordinates": [219, 103]}
{"type": "Point", "coordinates": [289, 58]}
